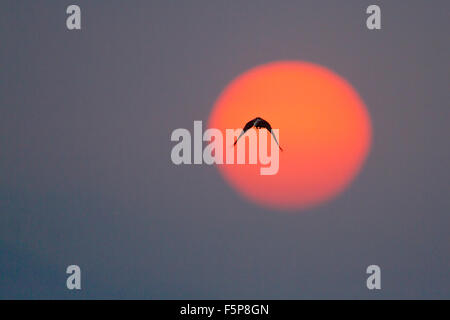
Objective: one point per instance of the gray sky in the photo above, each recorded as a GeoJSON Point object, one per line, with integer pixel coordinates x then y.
{"type": "Point", "coordinates": [86, 176]}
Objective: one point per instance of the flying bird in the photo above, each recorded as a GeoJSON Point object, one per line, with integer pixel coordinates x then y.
{"type": "Point", "coordinates": [258, 123]}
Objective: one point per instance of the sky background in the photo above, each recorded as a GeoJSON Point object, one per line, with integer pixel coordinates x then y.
{"type": "Point", "coordinates": [86, 176]}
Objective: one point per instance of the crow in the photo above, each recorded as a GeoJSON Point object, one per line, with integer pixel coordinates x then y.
{"type": "Point", "coordinates": [258, 123]}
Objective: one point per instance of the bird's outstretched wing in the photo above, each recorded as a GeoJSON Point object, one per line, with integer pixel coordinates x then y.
{"type": "Point", "coordinates": [275, 138]}
{"type": "Point", "coordinates": [264, 124]}
{"type": "Point", "coordinates": [246, 127]}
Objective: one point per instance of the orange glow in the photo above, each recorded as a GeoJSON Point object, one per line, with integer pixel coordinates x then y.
{"type": "Point", "coordinates": [324, 128]}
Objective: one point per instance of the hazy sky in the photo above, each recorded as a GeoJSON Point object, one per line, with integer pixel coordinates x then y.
{"type": "Point", "coordinates": [85, 170]}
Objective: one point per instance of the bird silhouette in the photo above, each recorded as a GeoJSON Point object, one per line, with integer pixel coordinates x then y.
{"type": "Point", "coordinates": [258, 123]}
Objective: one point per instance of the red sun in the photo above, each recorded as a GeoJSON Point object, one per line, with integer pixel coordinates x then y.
{"type": "Point", "coordinates": [324, 129]}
